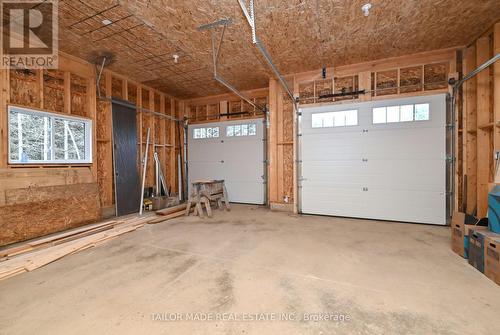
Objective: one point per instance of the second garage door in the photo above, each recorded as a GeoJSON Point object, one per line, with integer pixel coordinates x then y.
{"type": "Point", "coordinates": [233, 151]}
{"type": "Point", "coordinates": [379, 160]}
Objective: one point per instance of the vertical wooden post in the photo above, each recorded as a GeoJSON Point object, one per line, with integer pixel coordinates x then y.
{"type": "Point", "coordinates": [223, 109]}
{"type": "Point", "coordinates": [470, 129]}
{"type": "Point", "coordinates": [496, 90]}
{"type": "Point", "coordinates": [67, 92]}
{"type": "Point", "coordinates": [365, 82]}
{"type": "Point", "coordinates": [272, 148]}
{"type": "Point", "coordinates": [483, 133]}
{"type": "Point", "coordinates": [4, 101]}
{"type": "Point", "coordinates": [173, 149]}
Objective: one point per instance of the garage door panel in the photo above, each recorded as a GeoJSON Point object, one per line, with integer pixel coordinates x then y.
{"type": "Point", "coordinates": [393, 171]}
{"type": "Point", "coordinates": [236, 159]}
{"type": "Point", "coordinates": [344, 201]}
{"type": "Point", "coordinates": [402, 205]}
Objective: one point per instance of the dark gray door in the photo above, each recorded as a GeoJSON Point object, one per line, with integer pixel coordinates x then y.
{"type": "Point", "coordinates": [127, 187]}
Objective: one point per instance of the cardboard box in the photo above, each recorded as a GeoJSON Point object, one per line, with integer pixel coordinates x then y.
{"type": "Point", "coordinates": [460, 225]}
{"type": "Point", "coordinates": [492, 257]}
{"type": "Point", "coordinates": [476, 247]}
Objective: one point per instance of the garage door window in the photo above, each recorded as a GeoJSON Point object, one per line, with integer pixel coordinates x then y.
{"type": "Point", "coordinates": [335, 119]}
{"type": "Point", "coordinates": [248, 129]}
{"type": "Point", "coordinates": [206, 132]}
{"type": "Point", "coordinates": [402, 113]}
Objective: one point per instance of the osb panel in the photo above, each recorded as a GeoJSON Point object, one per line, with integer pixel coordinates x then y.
{"type": "Point", "coordinates": [103, 122]}
{"type": "Point", "coordinates": [40, 211]}
{"type": "Point", "coordinates": [435, 76]}
{"type": "Point", "coordinates": [235, 107]}
{"type": "Point", "coordinates": [145, 34]}
{"type": "Point", "coordinates": [288, 172]}
{"type": "Point", "coordinates": [145, 98]}
{"type": "Point", "coordinates": [201, 113]}
{"type": "Point", "coordinates": [132, 93]}
{"type": "Point", "coordinates": [287, 119]}
{"type": "Point", "coordinates": [387, 82]}
{"type": "Point", "coordinates": [157, 103]}
{"type": "Point", "coordinates": [53, 90]}
{"type": "Point", "coordinates": [323, 87]}
{"type": "Point", "coordinates": [79, 96]}
{"type": "Point", "coordinates": [104, 173]}
{"type": "Point", "coordinates": [306, 92]}
{"type": "Point", "coordinates": [24, 88]}
{"type": "Point", "coordinates": [213, 112]}
{"type": "Point", "coordinates": [410, 79]}
{"type": "Point", "coordinates": [158, 131]}
{"type": "Point", "coordinates": [117, 88]}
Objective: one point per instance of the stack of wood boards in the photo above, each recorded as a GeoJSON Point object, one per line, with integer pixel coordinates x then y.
{"type": "Point", "coordinates": [33, 254]}
{"type": "Point", "coordinates": [169, 213]}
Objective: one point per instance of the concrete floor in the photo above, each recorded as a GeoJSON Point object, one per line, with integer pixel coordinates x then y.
{"type": "Point", "coordinates": [385, 278]}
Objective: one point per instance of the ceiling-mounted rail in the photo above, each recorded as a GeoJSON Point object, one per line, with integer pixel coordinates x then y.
{"type": "Point", "coordinates": [250, 16]}
{"type": "Point", "coordinates": [216, 47]}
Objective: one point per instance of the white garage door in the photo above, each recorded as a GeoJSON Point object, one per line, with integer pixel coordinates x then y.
{"type": "Point", "coordinates": [379, 160]}
{"type": "Point", "coordinates": [233, 151]}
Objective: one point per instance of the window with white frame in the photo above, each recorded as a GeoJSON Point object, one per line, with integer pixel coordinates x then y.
{"type": "Point", "coordinates": [247, 129]}
{"type": "Point", "coordinates": [335, 119]}
{"type": "Point", "coordinates": [401, 113]}
{"type": "Point", "coordinates": [206, 132]}
{"type": "Point", "coordinates": [39, 137]}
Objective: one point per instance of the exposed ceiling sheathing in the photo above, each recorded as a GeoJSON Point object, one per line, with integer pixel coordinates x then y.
{"type": "Point", "coordinates": [299, 35]}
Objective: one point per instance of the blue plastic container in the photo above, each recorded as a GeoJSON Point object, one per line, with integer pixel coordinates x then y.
{"type": "Point", "coordinates": [494, 209]}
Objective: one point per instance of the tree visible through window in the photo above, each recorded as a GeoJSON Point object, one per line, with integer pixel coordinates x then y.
{"type": "Point", "coordinates": [39, 137]}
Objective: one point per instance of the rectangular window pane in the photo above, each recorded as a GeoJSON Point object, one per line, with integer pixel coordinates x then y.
{"type": "Point", "coordinates": [338, 119]}
{"type": "Point", "coordinates": [421, 112]}
{"type": "Point", "coordinates": [29, 136]}
{"type": "Point", "coordinates": [351, 118]}
{"type": "Point", "coordinates": [392, 114]}
{"type": "Point", "coordinates": [209, 132]}
{"type": "Point", "coordinates": [317, 121]}
{"type": "Point", "coordinates": [237, 130]}
{"type": "Point", "coordinates": [229, 131]}
{"type": "Point", "coordinates": [406, 113]}
{"type": "Point", "coordinates": [379, 115]}
{"type": "Point", "coordinates": [252, 129]}
{"type": "Point", "coordinates": [215, 132]}
{"type": "Point", "coordinates": [244, 130]}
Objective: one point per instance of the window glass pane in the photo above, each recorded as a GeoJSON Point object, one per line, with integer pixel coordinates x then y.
{"type": "Point", "coordinates": [406, 113]}
{"type": "Point", "coordinates": [317, 121]}
{"type": "Point", "coordinates": [69, 140]}
{"type": "Point", "coordinates": [421, 112]}
{"type": "Point", "coordinates": [29, 136]}
{"type": "Point", "coordinates": [215, 132]}
{"type": "Point", "coordinates": [338, 119]}
{"type": "Point", "coordinates": [379, 115]}
{"type": "Point", "coordinates": [327, 119]}
{"type": "Point", "coordinates": [229, 131]}
{"type": "Point", "coordinates": [244, 130]}
{"type": "Point", "coordinates": [351, 118]}
{"type": "Point", "coordinates": [203, 133]}
{"type": "Point", "coordinates": [209, 132]}
{"type": "Point", "coordinates": [252, 129]}
{"type": "Point", "coordinates": [393, 114]}
{"type": "Point", "coordinates": [237, 130]}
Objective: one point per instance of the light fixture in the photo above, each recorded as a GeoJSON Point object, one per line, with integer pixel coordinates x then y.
{"type": "Point", "coordinates": [366, 8]}
{"type": "Point", "coordinates": [106, 22]}
{"type": "Point", "coordinates": [176, 58]}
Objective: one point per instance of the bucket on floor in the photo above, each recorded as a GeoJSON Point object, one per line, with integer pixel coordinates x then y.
{"type": "Point", "coordinates": [494, 209]}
